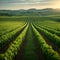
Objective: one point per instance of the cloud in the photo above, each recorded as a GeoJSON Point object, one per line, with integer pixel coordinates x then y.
{"type": "Point", "coordinates": [24, 2]}
{"type": "Point", "coordinates": [27, 3]}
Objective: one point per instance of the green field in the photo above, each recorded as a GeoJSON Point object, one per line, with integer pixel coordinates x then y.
{"type": "Point", "coordinates": [29, 38]}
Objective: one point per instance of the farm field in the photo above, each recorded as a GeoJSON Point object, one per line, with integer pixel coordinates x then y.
{"type": "Point", "coordinates": [29, 38]}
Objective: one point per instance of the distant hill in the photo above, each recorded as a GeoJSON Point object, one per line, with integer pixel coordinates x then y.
{"type": "Point", "coordinates": [30, 12]}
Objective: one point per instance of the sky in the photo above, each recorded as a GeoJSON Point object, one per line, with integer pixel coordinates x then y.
{"type": "Point", "coordinates": [28, 4]}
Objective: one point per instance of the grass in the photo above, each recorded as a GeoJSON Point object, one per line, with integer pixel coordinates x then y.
{"type": "Point", "coordinates": [29, 51]}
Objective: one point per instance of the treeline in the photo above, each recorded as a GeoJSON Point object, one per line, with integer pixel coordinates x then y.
{"type": "Point", "coordinates": [30, 12]}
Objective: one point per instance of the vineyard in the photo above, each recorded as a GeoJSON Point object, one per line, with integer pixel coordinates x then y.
{"type": "Point", "coordinates": [29, 38]}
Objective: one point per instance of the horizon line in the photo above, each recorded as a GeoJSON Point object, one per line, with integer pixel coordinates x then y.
{"type": "Point", "coordinates": [30, 8]}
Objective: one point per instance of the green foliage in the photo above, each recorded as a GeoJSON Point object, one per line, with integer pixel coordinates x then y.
{"type": "Point", "coordinates": [51, 30]}
{"type": "Point", "coordinates": [10, 27]}
{"type": "Point", "coordinates": [47, 50]}
{"type": "Point", "coordinates": [52, 37]}
{"type": "Point", "coordinates": [4, 39]}
{"type": "Point", "coordinates": [29, 49]}
{"type": "Point", "coordinates": [14, 47]}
